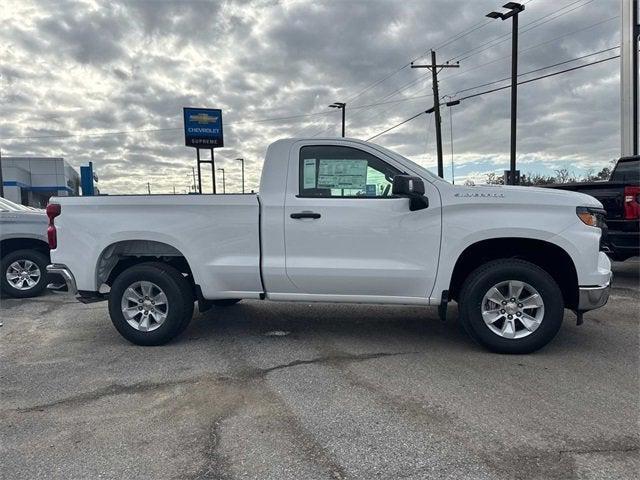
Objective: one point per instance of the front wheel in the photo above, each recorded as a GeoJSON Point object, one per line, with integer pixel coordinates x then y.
{"type": "Point", "coordinates": [511, 306]}
{"type": "Point", "coordinates": [150, 303]}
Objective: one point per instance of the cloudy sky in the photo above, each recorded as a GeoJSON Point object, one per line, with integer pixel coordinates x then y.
{"type": "Point", "coordinates": [106, 81]}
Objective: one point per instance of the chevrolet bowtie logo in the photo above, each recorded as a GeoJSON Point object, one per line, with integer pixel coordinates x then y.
{"type": "Point", "coordinates": [203, 118]}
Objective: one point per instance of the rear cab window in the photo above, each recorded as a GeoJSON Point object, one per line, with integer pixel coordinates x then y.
{"type": "Point", "coordinates": [627, 171]}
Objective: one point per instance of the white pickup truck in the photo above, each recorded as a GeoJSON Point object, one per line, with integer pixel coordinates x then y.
{"type": "Point", "coordinates": [339, 220]}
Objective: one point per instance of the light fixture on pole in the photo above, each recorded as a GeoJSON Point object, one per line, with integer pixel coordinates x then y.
{"type": "Point", "coordinates": [223, 185]}
{"type": "Point", "coordinates": [514, 9]}
{"type": "Point", "coordinates": [341, 106]}
{"type": "Point", "coordinates": [242, 160]}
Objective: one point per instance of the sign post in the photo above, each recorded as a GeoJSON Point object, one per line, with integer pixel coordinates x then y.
{"type": "Point", "coordinates": [203, 129]}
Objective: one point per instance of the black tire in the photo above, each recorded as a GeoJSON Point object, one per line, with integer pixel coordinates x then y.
{"type": "Point", "coordinates": [225, 302]}
{"type": "Point", "coordinates": [179, 295]}
{"type": "Point", "coordinates": [39, 259]}
{"type": "Point", "coordinates": [483, 278]}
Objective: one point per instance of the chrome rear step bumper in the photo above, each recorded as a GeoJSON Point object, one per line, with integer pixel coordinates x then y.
{"type": "Point", "coordinates": [65, 273]}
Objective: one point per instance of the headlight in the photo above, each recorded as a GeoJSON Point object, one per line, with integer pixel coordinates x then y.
{"type": "Point", "coordinates": [594, 217]}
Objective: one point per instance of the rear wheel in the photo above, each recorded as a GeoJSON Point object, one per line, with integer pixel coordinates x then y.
{"type": "Point", "coordinates": [24, 273]}
{"type": "Point", "coordinates": [150, 303]}
{"type": "Point", "coordinates": [511, 306]}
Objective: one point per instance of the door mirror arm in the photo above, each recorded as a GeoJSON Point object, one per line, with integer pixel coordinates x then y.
{"type": "Point", "coordinates": [418, 203]}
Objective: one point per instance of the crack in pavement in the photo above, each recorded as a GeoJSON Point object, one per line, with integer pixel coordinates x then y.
{"type": "Point", "coordinates": [338, 358]}
{"type": "Point", "coordinates": [598, 450]}
{"type": "Point", "coordinates": [246, 375]}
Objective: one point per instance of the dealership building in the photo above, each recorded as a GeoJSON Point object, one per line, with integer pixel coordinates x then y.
{"type": "Point", "coordinates": [32, 180]}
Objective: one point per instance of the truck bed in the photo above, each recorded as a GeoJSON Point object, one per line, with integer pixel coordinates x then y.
{"type": "Point", "coordinates": [217, 234]}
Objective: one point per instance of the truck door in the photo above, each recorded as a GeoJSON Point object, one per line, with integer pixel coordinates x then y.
{"type": "Point", "coordinates": [346, 234]}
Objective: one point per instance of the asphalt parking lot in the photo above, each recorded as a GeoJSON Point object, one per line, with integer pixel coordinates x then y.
{"type": "Point", "coordinates": [297, 391]}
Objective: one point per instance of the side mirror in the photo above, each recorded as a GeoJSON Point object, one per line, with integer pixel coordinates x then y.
{"type": "Point", "coordinates": [413, 188]}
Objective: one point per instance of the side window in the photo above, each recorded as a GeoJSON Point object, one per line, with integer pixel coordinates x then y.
{"type": "Point", "coordinates": [336, 171]}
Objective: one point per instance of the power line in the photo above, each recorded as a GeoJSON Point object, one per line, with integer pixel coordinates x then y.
{"type": "Point", "coordinates": [454, 38]}
{"type": "Point", "coordinates": [561, 36]}
{"type": "Point", "coordinates": [396, 126]}
{"type": "Point", "coordinates": [464, 55]}
{"type": "Point", "coordinates": [421, 77]}
{"type": "Point", "coordinates": [501, 88]}
{"type": "Point", "coordinates": [541, 77]}
{"type": "Point", "coordinates": [537, 70]}
{"type": "Point", "coordinates": [532, 47]}
{"type": "Point", "coordinates": [413, 82]}
{"type": "Point", "coordinates": [174, 129]}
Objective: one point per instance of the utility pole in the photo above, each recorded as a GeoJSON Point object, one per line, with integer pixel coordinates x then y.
{"type": "Point", "coordinates": [174, 189]}
{"type": "Point", "coordinates": [242, 160]}
{"type": "Point", "coordinates": [515, 9]}
{"type": "Point", "coordinates": [436, 104]}
{"type": "Point", "coordinates": [193, 171]}
{"type": "Point", "coordinates": [341, 106]}
{"type": "Point", "coordinates": [223, 185]}
{"type": "Point", "coordinates": [148, 188]}
{"type": "Point", "coordinates": [450, 104]}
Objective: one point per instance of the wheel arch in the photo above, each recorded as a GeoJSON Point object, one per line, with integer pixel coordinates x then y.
{"type": "Point", "coordinates": [118, 256]}
{"type": "Point", "coordinates": [550, 257]}
{"type": "Point", "coordinates": [9, 245]}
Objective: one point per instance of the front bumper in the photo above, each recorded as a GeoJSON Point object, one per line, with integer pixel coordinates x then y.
{"type": "Point", "coordinates": [591, 298]}
{"type": "Point", "coordinates": [65, 273]}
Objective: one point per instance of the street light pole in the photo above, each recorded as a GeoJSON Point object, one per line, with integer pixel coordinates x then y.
{"type": "Point", "coordinates": [515, 9]}
{"type": "Point", "coordinates": [341, 106]}
{"type": "Point", "coordinates": [223, 185]}
{"type": "Point", "coordinates": [242, 160]}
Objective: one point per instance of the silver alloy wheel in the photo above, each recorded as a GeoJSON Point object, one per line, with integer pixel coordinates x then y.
{"type": "Point", "coordinates": [23, 274]}
{"type": "Point", "coordinates": [144, 305]}
{"type": "Point", "coordinates": [512, 309]}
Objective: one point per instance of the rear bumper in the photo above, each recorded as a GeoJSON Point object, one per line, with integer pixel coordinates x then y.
{"type": "Point", "coordinates": [66, 274]}
{"type": "Point", "coordinates": [591, 298]}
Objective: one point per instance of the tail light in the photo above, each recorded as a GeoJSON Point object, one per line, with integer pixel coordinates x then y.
{"type": "Point", "coordinates": [631, 203]}
{"type": "Point", "coordinates": [53, 210]}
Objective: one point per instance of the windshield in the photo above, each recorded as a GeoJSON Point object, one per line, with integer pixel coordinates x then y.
{"type": "Point", "coordinates": [413, 165]}
{"type": "Point", "coordinates": [9, 206]}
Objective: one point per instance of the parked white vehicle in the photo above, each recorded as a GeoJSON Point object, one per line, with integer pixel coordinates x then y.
{"type": "Point", "coordinates": [339, 220]}
{"type": "Point", "coordinates": [24, 252]}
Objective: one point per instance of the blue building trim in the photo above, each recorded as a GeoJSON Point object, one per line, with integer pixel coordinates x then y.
{"type": "Point", "coordinates": [12, 183]}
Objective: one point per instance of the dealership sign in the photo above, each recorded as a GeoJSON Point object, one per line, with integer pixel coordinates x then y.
{"type": "Point", "coordinates": [203, 127]}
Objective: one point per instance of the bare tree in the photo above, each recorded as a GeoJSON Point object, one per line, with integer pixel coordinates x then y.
{"type": "Point", "coordinates": [564, 175]}
{"type": "Point", "coordinates": [494, 179]}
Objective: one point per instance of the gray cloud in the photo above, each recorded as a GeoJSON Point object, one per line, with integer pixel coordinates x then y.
{"type": "Point", "coordinates": [91, 66]}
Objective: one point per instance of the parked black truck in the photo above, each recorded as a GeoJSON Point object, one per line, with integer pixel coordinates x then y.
{"type": "Point", "coordinates": [620, 196]}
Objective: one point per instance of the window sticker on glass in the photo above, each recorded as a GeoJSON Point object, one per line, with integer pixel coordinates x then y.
{"type": "Point", "coordinates": [342, 173]}
{"type": "Point", "coordinates": [309, 173]}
